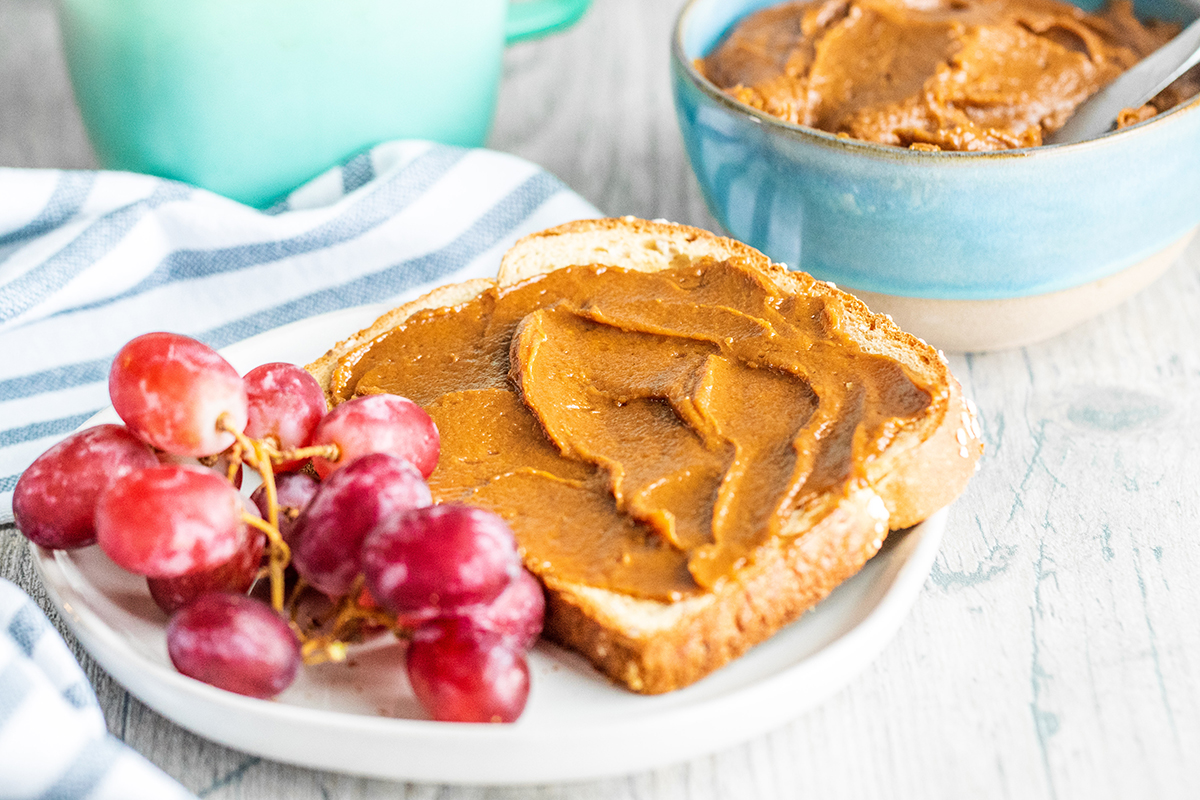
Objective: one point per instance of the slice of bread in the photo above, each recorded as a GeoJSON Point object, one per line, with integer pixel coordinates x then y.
{"type": "Point", "coordinates": [653, 646]}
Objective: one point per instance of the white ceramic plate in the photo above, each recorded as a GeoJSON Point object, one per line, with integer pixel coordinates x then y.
{"type": "Point", "coordinates": [360, 717]}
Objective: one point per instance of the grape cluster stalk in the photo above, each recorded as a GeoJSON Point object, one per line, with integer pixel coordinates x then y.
{"type": "Point", "coordinates": [259, 455]}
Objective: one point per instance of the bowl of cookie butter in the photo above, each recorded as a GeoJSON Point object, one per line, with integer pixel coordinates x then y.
{"type": "Point", "coordinates": [898, 149]}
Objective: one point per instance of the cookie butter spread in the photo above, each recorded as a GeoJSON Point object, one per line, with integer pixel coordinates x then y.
{"type": "Point", "coordinates": [645, 432]}
{"type": "Point", "coordinates": [936, 74]}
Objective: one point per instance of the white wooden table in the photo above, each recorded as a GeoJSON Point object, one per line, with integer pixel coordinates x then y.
{"type": "Point", "coordinates": [1055, 649]}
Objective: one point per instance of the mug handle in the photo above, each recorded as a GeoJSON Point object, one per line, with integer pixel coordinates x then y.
{"type": "Point", "coordinates": [530, 19]}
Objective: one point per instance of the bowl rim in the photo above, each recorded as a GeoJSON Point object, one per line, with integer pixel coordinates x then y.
{"type": "Point", "coordinates": [893, 152]}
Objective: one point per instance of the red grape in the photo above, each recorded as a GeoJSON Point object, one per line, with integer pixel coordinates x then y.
{"type": "Point", "coordinates": [378, 423]}
{"type": "Point", "coordinates": [516, 614]}
{"type": "Point", "coordinates": [235, 643]}
{"type": "Point", "coordinates": [54, 502]}
{"type": "Point", "coordinates": [293, 491]}
{"type": "Point", "coordinates": [170, 390]}
{"type": "Point", "coordinates": [235, 575]}
{"type": "Point", "coordinates": [439, 559]}
{"type": "Point", "coordinates": [169, 520]}
{"type": "Point", "coordinates": [463, 673]}
{"type": "Point", "coordinates": [286, 403]}
{"type": "Point", "coordinates": [327, 538]}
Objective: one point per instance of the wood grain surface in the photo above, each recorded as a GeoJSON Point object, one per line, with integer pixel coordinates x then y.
{"type": "Point", "coordinates": [1055, 649]}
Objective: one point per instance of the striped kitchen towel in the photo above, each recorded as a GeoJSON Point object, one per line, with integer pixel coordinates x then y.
{"type": "Point", "coordinates": [53, 742]}
{"type": "Point", "coordinates": [88, 260]}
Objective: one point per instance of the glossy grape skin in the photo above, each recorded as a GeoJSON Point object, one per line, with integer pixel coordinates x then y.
{"type": "Point", "coordinates": [285, 405]}
{"type": "Point", "coordinates": [235, 643]}
{"type": "Point", "coordinates": [54, 501]}
{"type": "Point", "coordinates": [168, 520]}
{"type": "Point", "coordinates": [293, 492]}
{"type": "Point", "coordinates": [236, 576]}
{"type": "Point", "coordinates": [516, 614]}
{"type": "Point", "coordinates": [438, 560]}
{"type": "Point", "coordinates": [170, 390]}
{"type": "Point", "coordinates": [464, 673]}
{"type": "Point", "coordinates": [378, 423]}
{"type": "Point", "coordinates": [329, 533]}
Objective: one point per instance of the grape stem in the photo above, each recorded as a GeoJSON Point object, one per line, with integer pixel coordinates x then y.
{"type": "Point", "coordinates": [277, 561]}
{"type": "Point", "coordinates": [294, 597]}
{"type": "Point", "coordinates": [347, 618]}
{"type": "Point", "coordinates": [329, 452]}
{"type": "Point", "coordinates": [235, 460]}
{"type": "Point", "coordinates": [253, 453]}
{"type": "Point", "coordinates": [348, 615]}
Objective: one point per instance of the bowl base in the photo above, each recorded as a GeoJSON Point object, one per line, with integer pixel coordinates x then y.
{"type": "Point", "coordinates": [960, 326]}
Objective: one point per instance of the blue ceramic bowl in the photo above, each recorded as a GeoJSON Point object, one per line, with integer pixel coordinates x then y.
{"type": "Point", "coordinates": [972, 250]}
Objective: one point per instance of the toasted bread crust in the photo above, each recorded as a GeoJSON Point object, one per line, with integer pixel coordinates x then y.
{"type": "Point", "coordinates": [788, 577]}
{"type": "Point", "coordinates": [655, 647]}
{"type": "Point", "coordinates": [627, 242]}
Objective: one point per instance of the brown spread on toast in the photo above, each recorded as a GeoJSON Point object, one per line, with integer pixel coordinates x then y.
{"type": "Point", "coordinates": [936, 74]}
{"type": "Point", "coordinates": [645, 432]}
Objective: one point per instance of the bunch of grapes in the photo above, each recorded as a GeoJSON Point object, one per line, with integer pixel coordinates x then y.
{"type": "Point", "coordinates": [343, 512]}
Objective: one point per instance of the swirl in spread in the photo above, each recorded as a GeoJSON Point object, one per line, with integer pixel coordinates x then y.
{"type": "Point", "coordinates": [644, 432]}
{"type": "Point", "coordinates": [936, 74]}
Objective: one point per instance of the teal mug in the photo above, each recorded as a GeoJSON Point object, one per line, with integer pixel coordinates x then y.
{"type": "Point", "coordinates": [250, 98]}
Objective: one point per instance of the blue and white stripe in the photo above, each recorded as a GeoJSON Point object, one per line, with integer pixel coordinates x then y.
{"type": "Point", "coordinates": [90, 260]}
{"type": "Point", "coordinates": [53, 741]}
